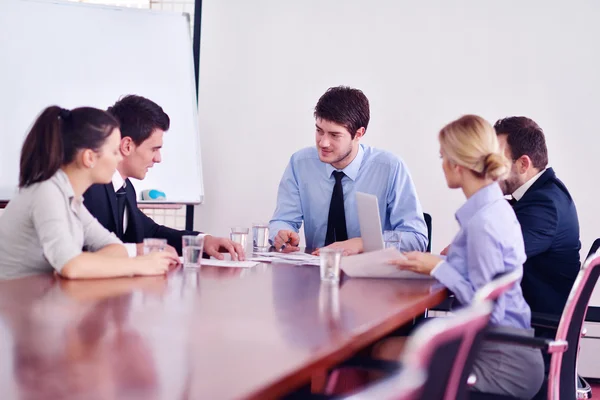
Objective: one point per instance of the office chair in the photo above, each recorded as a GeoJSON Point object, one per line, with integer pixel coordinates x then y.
{"type": "Point", "coordinates": [449, 381]}
{"type": "Point", "coordinates": [427, 218]}
{"type": "Point", "coordinates": [561, 382]}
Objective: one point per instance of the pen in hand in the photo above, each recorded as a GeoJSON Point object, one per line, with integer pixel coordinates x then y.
{"type": "Point", "coordinates": [283, 246]}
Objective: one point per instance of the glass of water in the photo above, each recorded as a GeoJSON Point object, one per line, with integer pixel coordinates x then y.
{"type": "Point", "coordinates": [331, 260]}
{"type": "Point", "coordinates": [239, 235]}
{"type": "Point", "coordinates": [392, 239]}
{"type": "Point", "coordinates": [192, 246]}
{"type": "Point", "coordinates": [153, 244]}
{"type": "Point", "coordinates": [260, 237]}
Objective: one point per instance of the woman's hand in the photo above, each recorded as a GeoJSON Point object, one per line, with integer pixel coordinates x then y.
{"type": "Point", "coordinates": [422, 263]}
{"type": "Point", "coordinates": [155, 263]}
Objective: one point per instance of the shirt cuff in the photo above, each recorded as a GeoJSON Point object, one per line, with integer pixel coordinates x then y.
{"type": "Point", "coordinates": [436, 267]}
{"type": "Point", "coordinates": [447, 275]}
{"type": "Point", "coordinates": [131, 249]}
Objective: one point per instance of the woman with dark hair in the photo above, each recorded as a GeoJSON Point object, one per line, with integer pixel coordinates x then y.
{"type": "Point", "coordinates": [46, 226]}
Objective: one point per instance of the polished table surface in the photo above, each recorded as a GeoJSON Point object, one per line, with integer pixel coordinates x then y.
{"type": "Point", "coordinates": [208, 333]}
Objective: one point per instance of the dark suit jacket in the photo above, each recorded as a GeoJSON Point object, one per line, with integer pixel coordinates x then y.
{"type": "Point", "coordinates": [550, 228]}
{"type": "Point", "coordinates": [101, 201]}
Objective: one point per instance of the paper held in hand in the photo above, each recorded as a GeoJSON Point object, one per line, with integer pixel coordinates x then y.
{"type": "Point", "coordinates": [374, 264]}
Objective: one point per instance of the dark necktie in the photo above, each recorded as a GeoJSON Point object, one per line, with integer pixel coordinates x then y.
{"type": "Point", "coordinates": [336, 223]}
{"type": "Point", "coordinates": [512, 201]}
{"type": "Point", "coordinates": [121, 205]}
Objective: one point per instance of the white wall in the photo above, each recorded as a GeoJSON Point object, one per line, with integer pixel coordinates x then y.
{"type": "Point", "coordinates": [264, 64]}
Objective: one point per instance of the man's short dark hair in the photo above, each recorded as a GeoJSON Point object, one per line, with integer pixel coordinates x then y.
{"type": "Point", "coordinates": [345, 106]}
{"type": "Point", "coordinates": [524, 137]}
{"type": "Point", "coordinates": [139, 117]}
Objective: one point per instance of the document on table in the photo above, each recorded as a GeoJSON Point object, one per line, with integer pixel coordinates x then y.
{"type": "Point", "coordinates": [296, 258]}
{"type": "Point", "coordinates": [374, 264]}
{"type": "Point", "coordinates": [213, 262]}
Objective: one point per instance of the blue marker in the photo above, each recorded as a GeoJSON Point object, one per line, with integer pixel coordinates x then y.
{"type": "Point", "coordinates": [153, 194]}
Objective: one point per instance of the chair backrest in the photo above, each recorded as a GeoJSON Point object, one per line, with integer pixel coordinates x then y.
{"type": "Point", "coordinates": [489, 293]}
{"type": "Point", "coordinates": [441, 346]}
{"type": "Point", "coordinates": [594, 248]}
{"type": "Point", "coordinates": [427, 218]}
{"type": "Point", "coordinates": [494, 289]}
{"type": "Point", "coordinates": [562, 375]}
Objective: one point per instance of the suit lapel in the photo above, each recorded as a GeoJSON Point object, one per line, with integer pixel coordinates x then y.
{"type": "Point", "coordinates": [112, 200]}
{"type": "Point", "coordinates": [545, 177]}
{"type": "Point", "coordinates": [541, 181]}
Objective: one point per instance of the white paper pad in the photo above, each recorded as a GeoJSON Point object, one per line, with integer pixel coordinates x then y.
{"type": "Point", "coordinates": [260, 259]}
{"type": "Point", "coordinates": [213, 262]}
{"type": "Point", "coordinates": [374, 265]}
{"type": "Point", "coordinates": [297, 258]}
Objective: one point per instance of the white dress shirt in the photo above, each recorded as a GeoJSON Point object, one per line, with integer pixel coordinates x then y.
{"type": "Point", "coordinates": [520, 192]}
{"type": "Point", "coordinates": [118, 183]}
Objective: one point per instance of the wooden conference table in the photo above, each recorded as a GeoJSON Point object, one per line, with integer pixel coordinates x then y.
{"type": "Point", "coordinates": [208, 333]}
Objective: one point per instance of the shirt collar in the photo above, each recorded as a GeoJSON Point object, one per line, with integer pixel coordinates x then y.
{"type": "Point", "coordinates": [351, 170]}
{"type": "Point", "coordinates": [479, 200]}
{"type": "Point", "coordinates": [118, 181]}
{"type": "Point", "coordinates": [62, 179]}
{"type": "Point", "coordinates": [520, 192]}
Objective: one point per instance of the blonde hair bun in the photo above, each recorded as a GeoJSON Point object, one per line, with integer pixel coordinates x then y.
{"type": "Point", "coordinates": [495, 166]}
{"type": "Point", "coordinates": [471, 142]}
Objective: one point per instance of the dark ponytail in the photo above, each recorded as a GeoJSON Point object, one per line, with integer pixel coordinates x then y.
{"type": "Point", "coordinates": [42, 152]}
{"type": "Point", "coordinates": [56, 137]}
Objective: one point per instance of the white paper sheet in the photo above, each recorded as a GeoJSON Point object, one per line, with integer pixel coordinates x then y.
{"type": "Point", "coordinates": [374, 265]}
{"type": "Point", "coordinates": [297, 257]}
{"type": "Point", "coordinates": [213, 262]}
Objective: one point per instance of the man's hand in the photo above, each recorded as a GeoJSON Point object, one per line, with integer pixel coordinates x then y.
{"type": "Point", "coordinates": [422, 263]}
{"type": "Point", "coordinates": [213, 246]}
{"type": "Point", "coordinates": [350, 246]}
{"type": "Point", "coordinates": [286, 241]}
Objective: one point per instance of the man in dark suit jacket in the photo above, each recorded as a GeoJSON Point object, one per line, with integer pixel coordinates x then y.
{"type": "Point", "coordinates": [546, 213]}
{"type": "Point", "coordinates": [143, 124]}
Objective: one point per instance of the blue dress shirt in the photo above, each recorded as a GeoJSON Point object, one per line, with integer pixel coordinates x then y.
{"type": "Point", "coordinates": [489, 243]}
{"type": "Point", "coordinates": [307, 184]}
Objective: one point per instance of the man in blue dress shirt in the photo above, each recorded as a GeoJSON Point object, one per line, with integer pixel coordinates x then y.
{"type": "Point", "coordinates": [320, 183]}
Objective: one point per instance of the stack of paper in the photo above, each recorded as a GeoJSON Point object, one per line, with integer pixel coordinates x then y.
{"type": "Point", "coordinates": [375, 264]}
{"type": "Point", "coordinates": [296, 258]}
{"type": "Point", "coordinates": [227, 262]}
{"type": "Point", "coordinates": [213, 262]}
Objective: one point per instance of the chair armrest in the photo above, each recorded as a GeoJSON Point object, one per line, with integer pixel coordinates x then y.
{"type": "Point", "coordinates": [367, 363]}
{"type": "Point", "coordinates": [445, 305]}
{"type": "Point", "coordinates": [542, 320]}
{"type": "Point", "coordinates": [547, 345]}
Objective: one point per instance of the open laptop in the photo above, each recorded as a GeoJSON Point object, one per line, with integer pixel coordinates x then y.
{"type": "Point", "coordinates": [369, 222]}
{"type": "Point", "coordinates": [374, 265]}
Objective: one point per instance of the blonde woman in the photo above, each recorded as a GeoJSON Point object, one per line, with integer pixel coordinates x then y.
{"type": "Point", "coordinates": [489, 243]}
